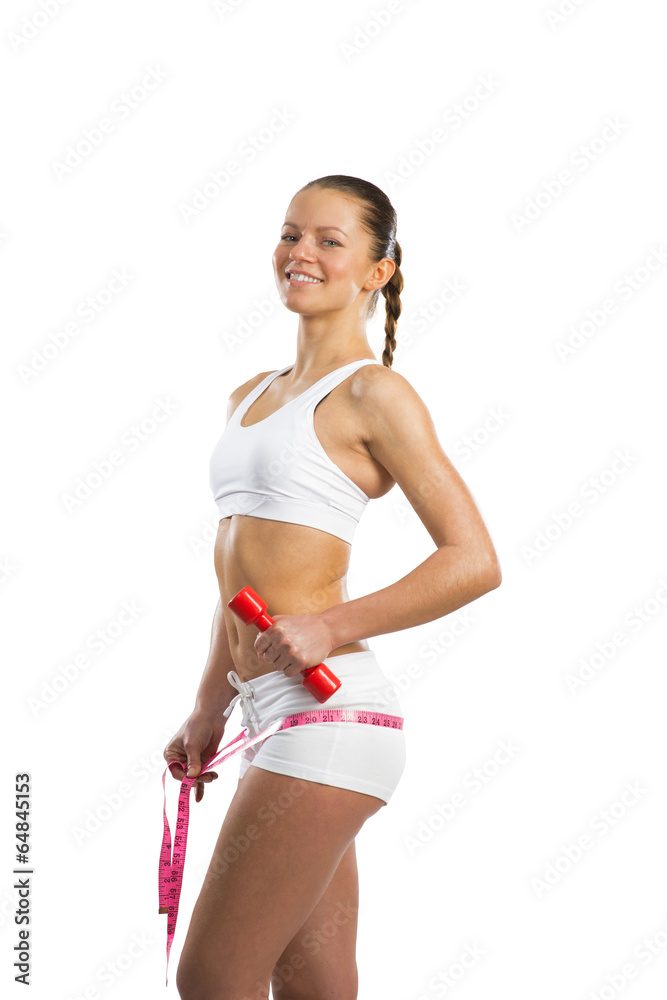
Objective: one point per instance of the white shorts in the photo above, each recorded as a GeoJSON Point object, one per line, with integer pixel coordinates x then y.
{"type": "Point", "coordinates": [359, 756]}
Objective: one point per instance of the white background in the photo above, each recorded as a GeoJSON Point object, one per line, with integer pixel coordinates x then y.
{"type": "Point", "coordinates": [365, 100]}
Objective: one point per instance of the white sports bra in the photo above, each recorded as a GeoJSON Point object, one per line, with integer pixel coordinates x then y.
{"type": "Point", "coordinates": [277, 468]}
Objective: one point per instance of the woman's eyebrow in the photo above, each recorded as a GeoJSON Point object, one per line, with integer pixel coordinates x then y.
{"type": "Point", "coordinates": [319, 228]}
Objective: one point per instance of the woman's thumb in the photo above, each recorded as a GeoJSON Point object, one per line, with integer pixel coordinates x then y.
{"type": "Point", "coordinates": [193, 768]}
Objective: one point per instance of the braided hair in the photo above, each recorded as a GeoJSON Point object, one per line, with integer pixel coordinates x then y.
{"type": "Point", "coordinates": [378, 218]}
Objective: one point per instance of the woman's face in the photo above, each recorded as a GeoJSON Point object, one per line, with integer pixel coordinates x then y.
{"type": "Point", "coordinates": [321, 237]}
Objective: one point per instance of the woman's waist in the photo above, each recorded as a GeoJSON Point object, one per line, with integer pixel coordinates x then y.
{"type": "Point", "coordinates": [290, 593]}
{"type": "Point", "coordinates": [364, 686]}
{"type": "Point", "coordinates": [250, 667]}
{"type": "Point", "coordinates": [295, 569]}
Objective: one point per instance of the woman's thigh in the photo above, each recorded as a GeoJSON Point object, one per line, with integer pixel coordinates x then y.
{"type": "Point", "coordinates": [279, 846]}
{"type": "Point", "coordinates": [321, 960]}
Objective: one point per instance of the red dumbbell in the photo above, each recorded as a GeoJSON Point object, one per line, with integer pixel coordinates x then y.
{"type": "Point", "coordinates": [250, 608]}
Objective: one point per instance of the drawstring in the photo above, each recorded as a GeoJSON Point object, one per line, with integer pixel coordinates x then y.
{"type": "Point", "coordinates": [246, 696]}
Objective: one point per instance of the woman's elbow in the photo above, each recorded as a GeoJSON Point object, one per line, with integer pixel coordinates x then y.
{"type": "Point", "coordinates": [490, 573]}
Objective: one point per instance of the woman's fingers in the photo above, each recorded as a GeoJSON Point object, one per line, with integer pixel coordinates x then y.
{"type": "Point", "coordinates": [203, 779]}
{"type": "Point", "coordinates": [199, 785]}
{"type": "Point", "coordinates": [176, 770]}
{"type": "Point", "coordinates": [179, 773]}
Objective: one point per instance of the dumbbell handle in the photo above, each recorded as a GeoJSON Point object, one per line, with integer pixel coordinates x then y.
{"type": "Point", "coordinates": [251, 609]}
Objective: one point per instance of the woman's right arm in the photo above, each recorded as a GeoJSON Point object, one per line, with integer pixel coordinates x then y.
{"type": "Point", "coordinates": [199, 737]}
{"type": "Point", "coordinates": [215, 692]}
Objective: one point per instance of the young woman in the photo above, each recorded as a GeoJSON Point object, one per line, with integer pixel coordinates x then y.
{"type": "Point", "coordinates": [304, 449]}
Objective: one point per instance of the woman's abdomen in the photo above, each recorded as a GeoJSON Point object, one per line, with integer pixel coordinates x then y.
{"type": "Point", "coordinates": [297, 570]}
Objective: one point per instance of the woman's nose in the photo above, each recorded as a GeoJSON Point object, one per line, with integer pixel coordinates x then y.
{"type": "Point", "coordinates": [304, 248]}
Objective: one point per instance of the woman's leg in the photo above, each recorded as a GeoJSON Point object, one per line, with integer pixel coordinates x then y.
{"type": "Point", "coordinates": [321, 959]}
{"type": "Point", "coordinates": [280, 844]}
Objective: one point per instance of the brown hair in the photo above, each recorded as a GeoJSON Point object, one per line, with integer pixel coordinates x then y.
{"type": "Point", "coordinates": [378, 218]}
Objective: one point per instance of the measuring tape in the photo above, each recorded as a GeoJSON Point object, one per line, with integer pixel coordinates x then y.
{"type": "Point", "coordinates": [172, 864]}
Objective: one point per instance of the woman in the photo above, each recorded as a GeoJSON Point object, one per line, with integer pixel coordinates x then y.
{"type": "Point", "coordinates": [304, 449]}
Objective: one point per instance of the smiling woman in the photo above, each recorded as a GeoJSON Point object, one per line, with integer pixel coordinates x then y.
{"type": "Point", "coordinates": [305, 449]}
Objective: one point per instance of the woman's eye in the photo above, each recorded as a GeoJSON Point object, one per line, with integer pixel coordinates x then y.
{"type": "Point", "coordinates": [289, 236]}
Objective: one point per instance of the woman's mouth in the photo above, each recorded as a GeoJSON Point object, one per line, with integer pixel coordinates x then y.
{"type": "Point", "coordinates": [302, 279]}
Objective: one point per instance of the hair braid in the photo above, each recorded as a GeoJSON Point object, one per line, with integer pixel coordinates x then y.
{"type": "Point", "coordinates": [392, 294]}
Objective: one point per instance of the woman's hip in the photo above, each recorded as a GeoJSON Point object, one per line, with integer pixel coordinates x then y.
{"type": "Point", "coordinates": [361, 756]}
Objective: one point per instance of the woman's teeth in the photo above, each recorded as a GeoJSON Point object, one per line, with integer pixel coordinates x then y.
{"type": "Point", "coordinates": [304, 278]}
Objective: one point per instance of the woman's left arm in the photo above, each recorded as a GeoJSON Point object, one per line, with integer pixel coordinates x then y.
{"type": "Point", "coordinates": [401, 436]}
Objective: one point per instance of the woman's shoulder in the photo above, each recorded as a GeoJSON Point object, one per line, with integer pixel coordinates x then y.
{"type": "Point", "coordinates": [380, 384]}
{"type": "Point", "coordinates": [387, 401]}
{"type": "Point", "coordinates": [238, 395]}
{"type": "Point", "coordinates": [246, 387]}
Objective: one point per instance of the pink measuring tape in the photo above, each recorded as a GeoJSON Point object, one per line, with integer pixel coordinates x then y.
{"type": "Point", "coordinates": [172, 863]}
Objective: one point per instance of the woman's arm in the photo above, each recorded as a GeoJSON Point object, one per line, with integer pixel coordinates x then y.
{"type": "Point", "coordinates": [215, 692]}
{"type": "Point", "coordinates": [447, 580]}
{"type": "Point", "coordinates": [401, 436]}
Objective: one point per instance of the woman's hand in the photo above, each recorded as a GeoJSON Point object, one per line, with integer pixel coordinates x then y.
{"type": "Point", "coordinates": [294, 642]}
{"type": "Point", "coordinates": [195, 742]}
